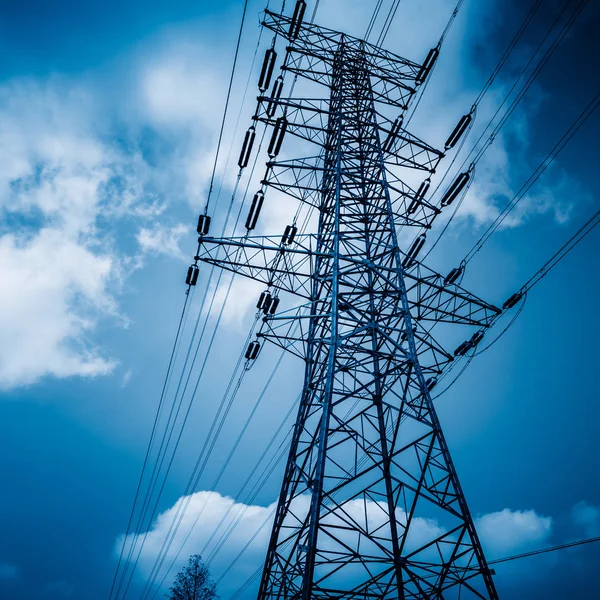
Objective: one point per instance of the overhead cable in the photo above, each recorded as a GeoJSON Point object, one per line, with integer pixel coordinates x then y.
{"type": "Point", "coordinates": [579, 122]}
{"type": "Point", "coordinates": [545, 550]}
{"type": "Point", "coordinates": [151, 441]}
{"type": "Point", "coordinates": [226, 107]}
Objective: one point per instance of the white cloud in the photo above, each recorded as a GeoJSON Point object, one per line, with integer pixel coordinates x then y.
{"type": "Point", "coordinates": [209, 508]}
{"type": "Point", "coordinates": [163, 240]}
{"type": "Point", "coordinates": [57, 180]}
{"type": "Point", "coordinates": [250, 528]}
{"type": "Point", "coordinates": [179, 93]}
{"type": "Point", "coordinates": [587, 517]}
{"type": "Point", "coordinates": [506, 532]}
{"type": "Point", "coordinates": [75, 182]}
{"type": "Point", "coordinates": [241, 299]}
{"type": "Point", "coordinates": [126, 378]}
{"type": "Point", "coordinates": [54, 291]}
{"type": "Point", "coordinates": [177, 87]}
{"type": "Point", "coordinates": [502, 533]}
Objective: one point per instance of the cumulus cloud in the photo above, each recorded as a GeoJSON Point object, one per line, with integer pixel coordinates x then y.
{"type": "Point", "coordinates": [506, 532]}
{"type": "Point", "coordinates": [162, 240]}
{"type": "Point", "coordinates": [205, 511]}
{"type": "Point", "coordinates": [207, 518]}
{"type": "Point", "coordinates": [57, 180]}
{"type": "Point", "coordinates": [78, 178]}
{"type": "Point", "coordinates": [55, 289]}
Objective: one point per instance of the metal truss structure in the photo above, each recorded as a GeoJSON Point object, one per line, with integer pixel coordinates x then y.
{"type": "Point", "coordinates": [371, 506]}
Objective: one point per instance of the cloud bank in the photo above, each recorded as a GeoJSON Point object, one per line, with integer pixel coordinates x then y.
{"type": "Point", "coordinates": [233, 537]}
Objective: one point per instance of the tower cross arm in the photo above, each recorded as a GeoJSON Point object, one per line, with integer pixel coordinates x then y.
{"type": "Point", "coordinates": [434, 300]}
{"type": "Point", "coordinates": [406, 149]}
{"type": "Point", "coordinates": [321, 39]}
{"type": "Point", "coordinates": [266, 259]}
{"type": "Point", "coordinates": [290, 269]}
{"type": "Point", "coordinates": [431, 299]}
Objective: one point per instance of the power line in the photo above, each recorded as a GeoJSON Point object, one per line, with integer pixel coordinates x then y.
{"type": "Point", "coordinates": [374, 17]}
{"type": "Point", "coordinates": [172, 422]}
{"type": "Point", "coordinates": [226, 108]}
{"type": "Point", "coordinates": [388, 22]}
{"type": "Point", "coordinates": [152, 435]}
{"type": "Point", "coordinates": [187, 413]}
{"type": "Point", "coordinates": [558, 148]}
{"type": "Point", "coordinates": [544, 551]}
{"type": "Point", "coordinates": [440, 43]}
{"type": "Point", "coordinates": [533, 76]}
{"type": "Point", "coordinates": [563, 251]}
{"type": "Point", "coordinates": [197, 473]}
{"type": "Point", "coordinates": [494, 74]}
{"type": "Point", "coordinates": [579, 122]}
{"type": "Point", "coordinates": [451, 21]}
{"type": "Point", "coordinates": [225, 112]}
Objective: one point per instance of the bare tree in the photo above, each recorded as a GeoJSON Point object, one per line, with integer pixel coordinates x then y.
{"type": "Point", "coordinates": [193, 582]}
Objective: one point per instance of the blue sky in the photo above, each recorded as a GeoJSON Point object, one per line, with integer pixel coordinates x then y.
{"type": "Point", "coordinates": [108, 121]}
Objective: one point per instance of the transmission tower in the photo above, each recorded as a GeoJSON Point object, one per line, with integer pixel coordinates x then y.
{"type": "Point", "coordinates": [371, 506]}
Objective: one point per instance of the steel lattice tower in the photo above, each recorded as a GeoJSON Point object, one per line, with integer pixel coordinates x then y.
{"type": "Point", "coordinates": [371, 506]}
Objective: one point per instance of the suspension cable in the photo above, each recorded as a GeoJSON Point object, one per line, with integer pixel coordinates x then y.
{"type": "Point", "coordinates": [558, 148]}
{"type": "Point", "coordinates": [545, 550]}
{"type": "Point", "coordinates": [440, 43]}
{"type": "Point", "coordinates": [226, 108]}
{"type": "Point", "coordinates": [374, 17]}
{"type": "Point", "coordinates": [152, 436]}
{"type": "Point", "coordinates": [486, 87]}
{"type": "Point", "coordinates": [579, 122]}
{"type": "Point", "coordinates": [563, 251]}
{"type": "Point", "coordinates": [388, 22]}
